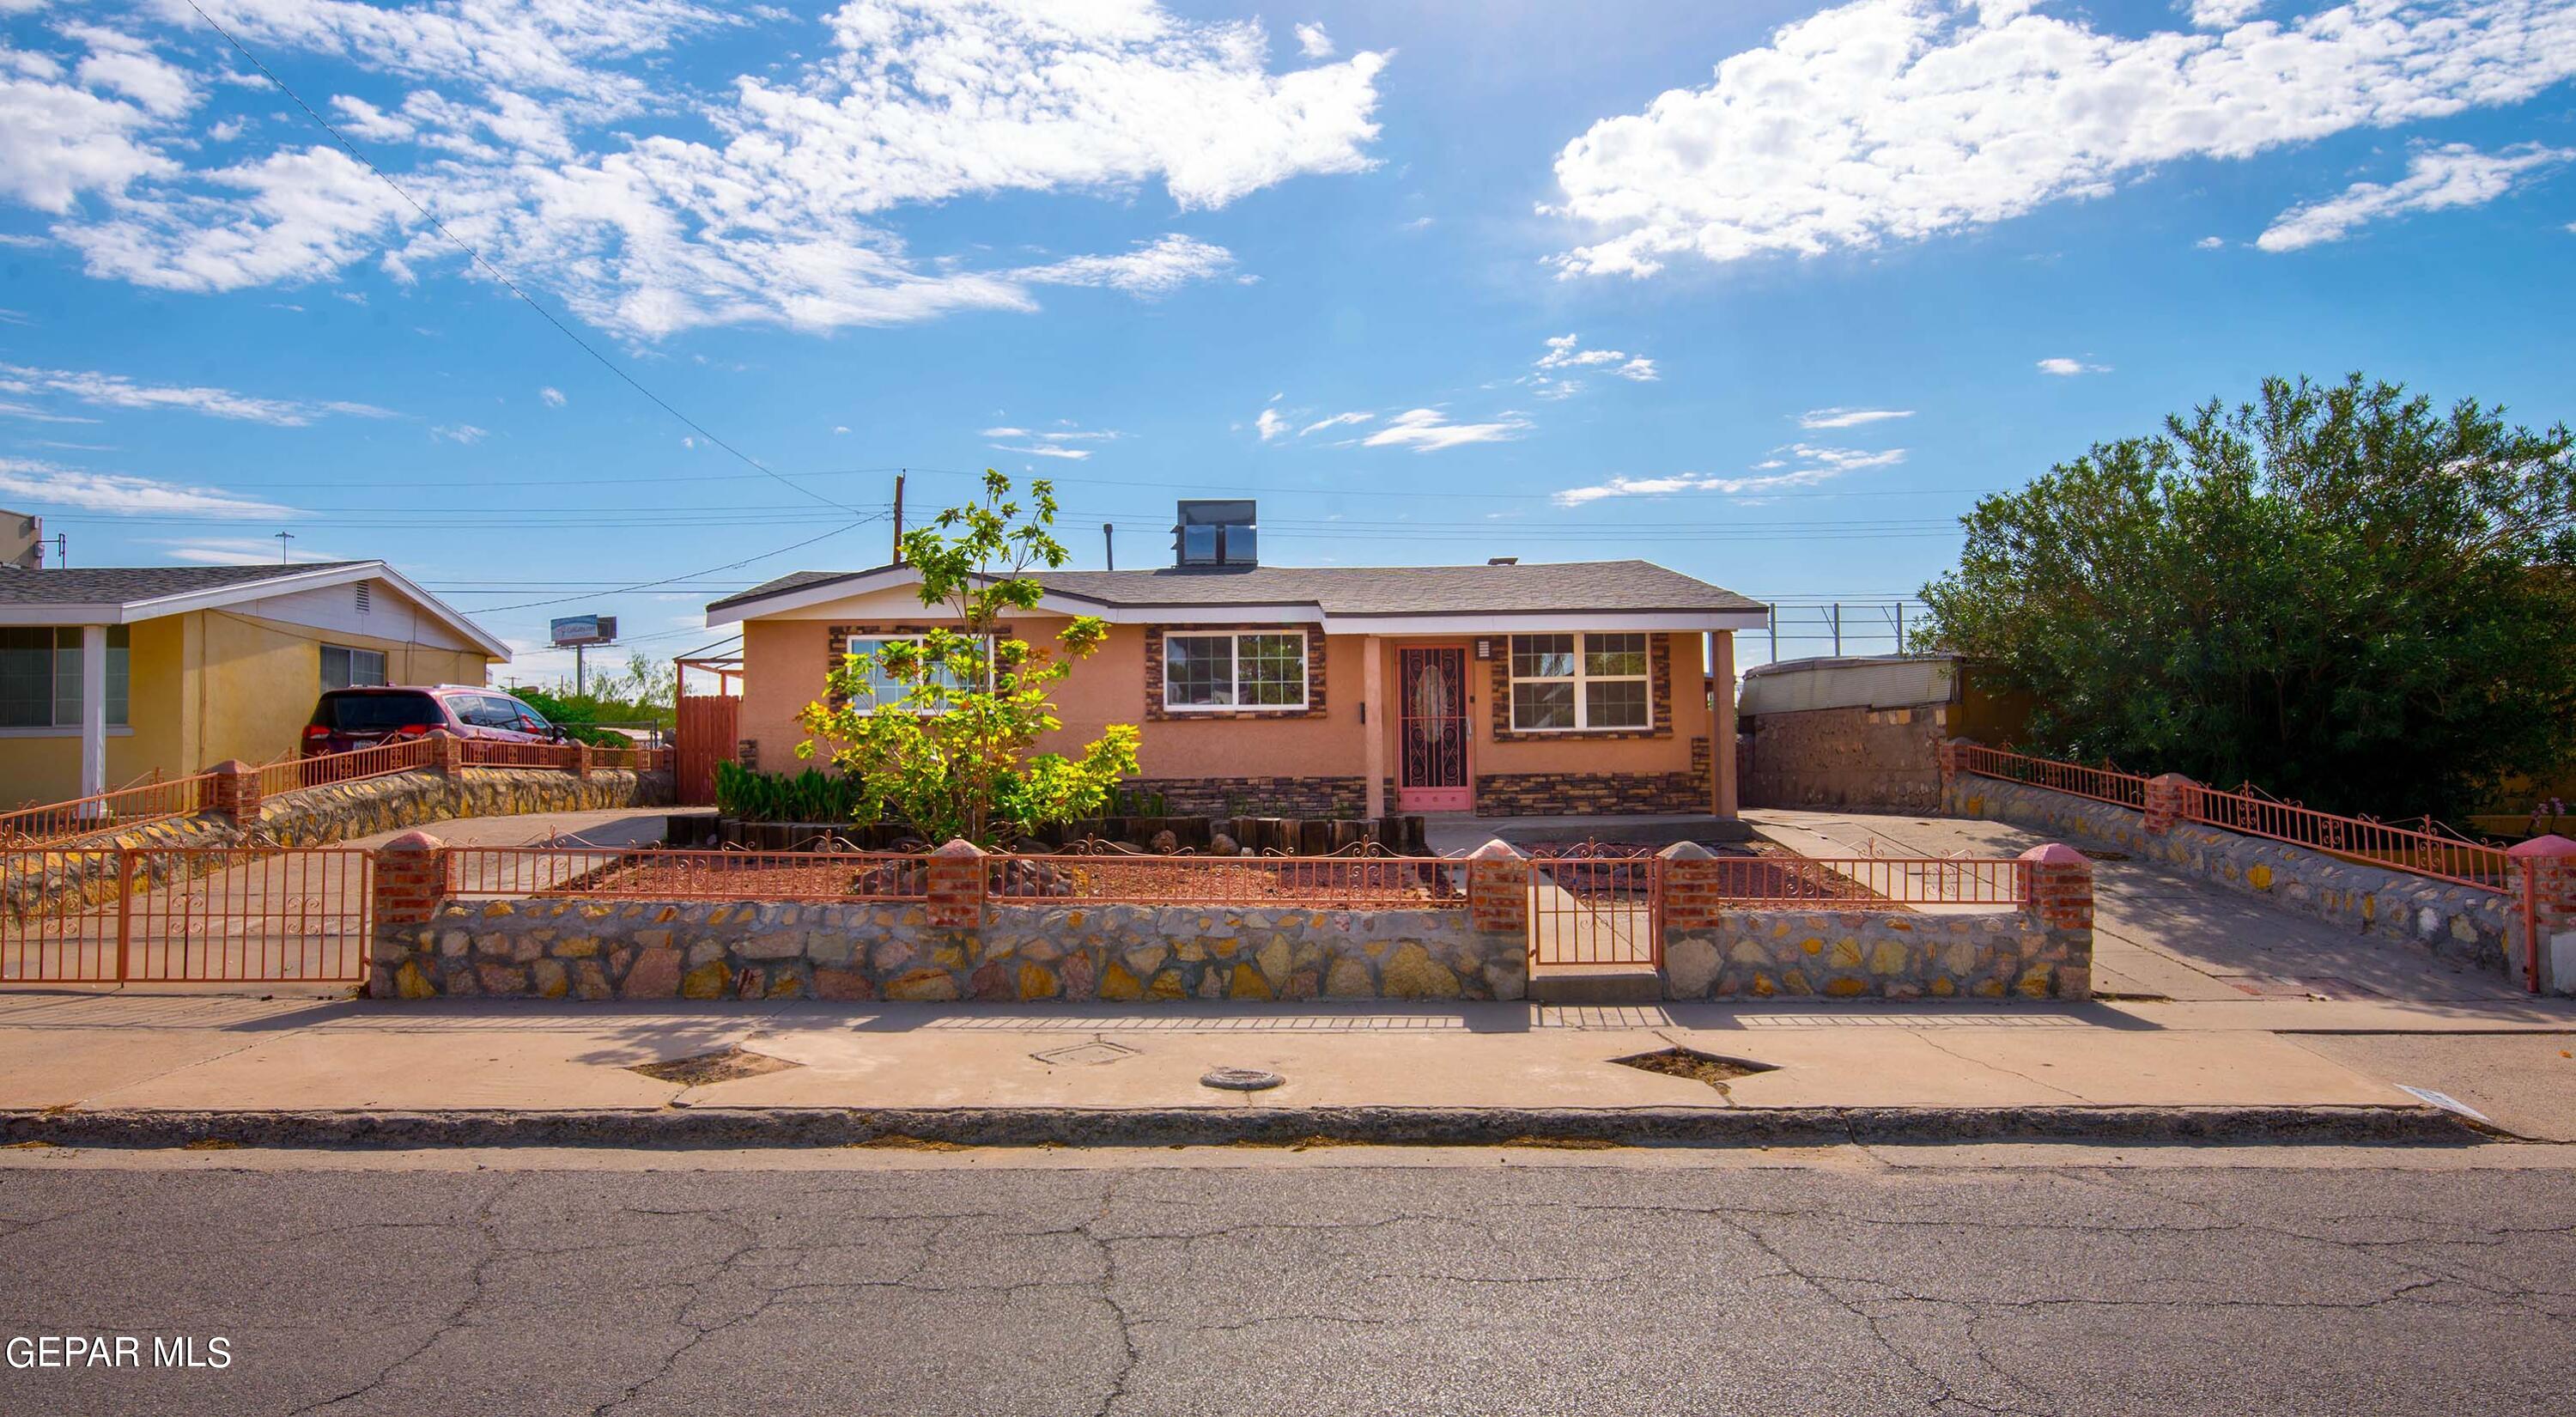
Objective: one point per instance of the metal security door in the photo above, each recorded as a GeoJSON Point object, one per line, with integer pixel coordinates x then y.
{"type": "Point", "coordinates": [1432, 731]}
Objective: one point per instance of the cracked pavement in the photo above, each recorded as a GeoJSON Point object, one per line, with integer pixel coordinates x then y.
{"type": "Point", "coordinates": [1352, 1281]}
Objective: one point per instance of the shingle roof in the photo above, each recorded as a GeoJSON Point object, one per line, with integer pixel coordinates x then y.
{"type": "Point", "coordinates": [1367, 590]}
{"type": "Point", "coordinates": [126, 585]}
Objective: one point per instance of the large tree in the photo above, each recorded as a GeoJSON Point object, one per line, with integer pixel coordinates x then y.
{"type": "Point", "coordinates": [2338, 592]}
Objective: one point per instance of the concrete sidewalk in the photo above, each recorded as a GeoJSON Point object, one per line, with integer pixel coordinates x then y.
{"type": "Point", "coordinates": [245, 1055]}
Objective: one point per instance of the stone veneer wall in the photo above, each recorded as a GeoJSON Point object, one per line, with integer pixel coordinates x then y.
{"type": "Point", "coordinates": [2455, 922]}
{"type": "Point", "coordinates": [84, 872]}
{"type": "Point", "coordinates": [569, 948]}
{"type": "Point", "coordinates": [1548, 794]}
{"type": "Point", "coordinates": [1761, 954]}
{"type": "Point", "coordinates": [1255, 796]}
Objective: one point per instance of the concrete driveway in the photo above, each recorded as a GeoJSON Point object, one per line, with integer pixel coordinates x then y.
{"type": "Point", "coordinates": [2160, 934]}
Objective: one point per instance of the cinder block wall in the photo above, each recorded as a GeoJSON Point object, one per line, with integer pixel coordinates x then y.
{"type": "Point", "coordinates": [1880, 759]}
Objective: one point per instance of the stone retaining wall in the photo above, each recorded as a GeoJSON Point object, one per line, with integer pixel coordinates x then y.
{"type": "Point", "coordinates": [1761, 954]}
{"type": "Point", "coordinates": [2479, 927]}
{"type": "Point", "coordinates": [569, 948]}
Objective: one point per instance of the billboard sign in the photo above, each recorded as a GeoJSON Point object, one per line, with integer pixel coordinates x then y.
{"type": "Point", "coordinates": [584, 630]}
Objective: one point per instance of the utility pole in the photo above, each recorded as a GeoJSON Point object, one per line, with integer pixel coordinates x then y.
{"type": "Point", "coordinates": [283, 537]}
{"type": "Point", "coordinates": [898, 516]}
{"type": "Point", "coordinates": [576, 671]}
{"type": "Point", "coordinates": [1109, 536]}
{"type": "Point", "coordinates": [1838, 629]}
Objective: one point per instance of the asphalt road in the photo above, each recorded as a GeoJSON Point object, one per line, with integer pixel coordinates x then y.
{"type": "Point", "coordinates": [1618, 1287]}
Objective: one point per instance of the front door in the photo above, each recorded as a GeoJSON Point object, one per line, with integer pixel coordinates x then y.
{"type": "Point", "coordinates": [1431, 729]}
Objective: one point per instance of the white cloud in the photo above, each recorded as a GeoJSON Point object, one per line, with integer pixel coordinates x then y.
{"type": "Point", "coordinates": [1420, 223]}
{"type": "Point", "coordinates": [1819, 464]}
{"type": "Point", "coordinates": [1052, 442]}
{"type": "Point", "coordinates": [1897, 120]}
{"type": "Point", "coordinates": [2223, 14]}
{"type": "Point", "coordinates": [10, 408]}
{"type": "Point", "coordinates": [840, 428]}
{"type": "Point", "coordinates": [1428, 430]}
{"type": "Point", "coordinates": [1337, 420]}
{"type": "Point", "coordinates": [1849, 417]}
{"type": "Point", "coordinates": [45, 484]}
{"type": "Point", "coordinates": [2065, 368]}
{"type": "Point", "coordinates": [2210, 243]}
{"type": "Point", "coordinates": [2453, 176]}
{"type": "Point", "coordinates": [118, 391]}
{"type": "Point", "coordinates": [462, 434]}
{"type": "Point", "coordinates": [1566, 352]}
{"type": "Point", "coordinates": [551, 137]}
{"type": "Point", "coordinates": [1270, 424]}
{"type": "Point", "coordinates": [1313, 42]}
{"type": "Point", "coordinates": [1153, 268]}
{"type": "Point", "coordinates": [553, 396]}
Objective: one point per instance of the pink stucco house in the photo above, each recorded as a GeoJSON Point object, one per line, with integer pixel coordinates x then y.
{"type": "Point", "coordinates": [1501, 689]}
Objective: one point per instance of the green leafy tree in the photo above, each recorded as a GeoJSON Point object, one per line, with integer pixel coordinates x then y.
{"type": "Point", "coordinates": [2338, 593]}
{"type": "Point", "coordinates": [953, 755]}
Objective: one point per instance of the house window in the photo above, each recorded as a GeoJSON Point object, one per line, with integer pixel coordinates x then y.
{"type": "Point", "coordinates": [1571, 683]}
{"type": "Point", "coordinates": [885, 688]}
{"type": "Point", "coordinates": [346, 668]}
{"type": "Point", "coordinates": [40, 676]}
{"type": "Point", "coordinates": [1256, 670]}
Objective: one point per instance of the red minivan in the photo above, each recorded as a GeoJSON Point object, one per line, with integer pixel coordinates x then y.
{"type": "Point", "coordinates": [349, 719]}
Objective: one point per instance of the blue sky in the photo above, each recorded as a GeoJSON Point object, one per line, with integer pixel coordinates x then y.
{"type": "Point", "coordinates": [1767, 297]}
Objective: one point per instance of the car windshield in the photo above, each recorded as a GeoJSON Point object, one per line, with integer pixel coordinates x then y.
{"type": "Point", "coordinates": [377, 713]}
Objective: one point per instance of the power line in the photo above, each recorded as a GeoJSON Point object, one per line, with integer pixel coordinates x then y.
{"type": "Point", "coordinates": [496, 272]}
{"type": "Point", "coordinates": [684, 575]}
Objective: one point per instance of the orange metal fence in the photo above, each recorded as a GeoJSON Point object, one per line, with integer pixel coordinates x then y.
{"type": "Point", "coordinates": [357, 765]}
{"type": "Point", "coordinates": [2102, 784]}
{"type": "Point", "coordinates": [622, 873]}
{"type": "Point", "coordinates": [631, 759]}
{"type": "Point", "coordinates": [187, 915]}
{"type": "Point", "coordinates": [491, 753]}
{"type": "Point", "coordinates": [1596, 910]}
{"type": "Point", "coordinates": [2418, 851]}
{"type": "Point", "coordinates": [1327, 882]}
{"type": "Point", "coordinates": [1868, 880]}
{"type": "Point", "coordinates": [139, 805]}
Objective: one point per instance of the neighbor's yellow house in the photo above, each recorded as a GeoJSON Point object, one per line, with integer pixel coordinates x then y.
{"type": "Point", "coordinates": [109, 675]}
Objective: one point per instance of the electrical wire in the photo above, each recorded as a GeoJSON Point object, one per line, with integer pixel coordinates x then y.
{"type": "Point", "coordinates": [684, 575]}
{"type": "Point", "coordinates": [500, 275]}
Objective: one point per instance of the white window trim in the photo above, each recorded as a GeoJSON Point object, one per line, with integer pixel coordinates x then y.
{"type": "Point", "coordinates": [1582, 703]}
{"type": "Point", "coordinates": [1305, 673]}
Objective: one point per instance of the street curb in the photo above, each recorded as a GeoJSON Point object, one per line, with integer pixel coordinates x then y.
{"type": "Point", "coordinates": [715, 1127]}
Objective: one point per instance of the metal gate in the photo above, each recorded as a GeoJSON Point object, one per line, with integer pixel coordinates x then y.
{"type": "Point", "coordinates": [1588, 907]}
{"type": "Point", "coordinates": [186, 915]}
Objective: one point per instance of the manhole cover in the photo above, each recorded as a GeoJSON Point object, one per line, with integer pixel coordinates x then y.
{"type": "Point", "coordinates": [723, 1065]}
{"type": "Point", "coordinates": [1091, 1054]}
{"type": "Point", "coordinates": [1695, 1065]}
{"type": "Point", "coordinates": [1241, 1079]}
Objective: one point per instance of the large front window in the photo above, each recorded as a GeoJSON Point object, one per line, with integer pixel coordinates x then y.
{"type": "Point", "coordinates": [1257, 670]}
{"type": "Point", "coordinates": [1567, 683]}
{"type": "Point", "coordinates": [40, 676]}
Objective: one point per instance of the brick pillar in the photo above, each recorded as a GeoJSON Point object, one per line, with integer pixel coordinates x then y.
{"type": "Point", "coordinates": [2548, 874]}
{"type": "Point", "coordinates": [1948, 753]}
{"type": "Point", "coordinates": [234, 793]}
{"type": "Point", "coordinates": [577, 762]}
{"type": "Point", "coordinates": [2165, 797]}
{"type": "Point", "coordinates": [446, 753]}
{"type": "Point", "coordinates": [411, 879]}
{"type": "Point", "coordinates": [2061, 887]}
{"type": "Point", "coordinates": [1694, 887]}
{"type": "Point", "coordinates": [956, 891]}
{"type": "Point", "coordinates": [1498, 879]}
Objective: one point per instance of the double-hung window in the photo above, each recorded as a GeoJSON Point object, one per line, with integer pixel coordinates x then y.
{"type": "Point", "coordinates": [346, 668]}
{"type": "Point", "coordinates": [40, 676]}
{"type": "Point", "coordinates": [1572, 683]}
{"type": "Point", "coordinates": [1248, 669]}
